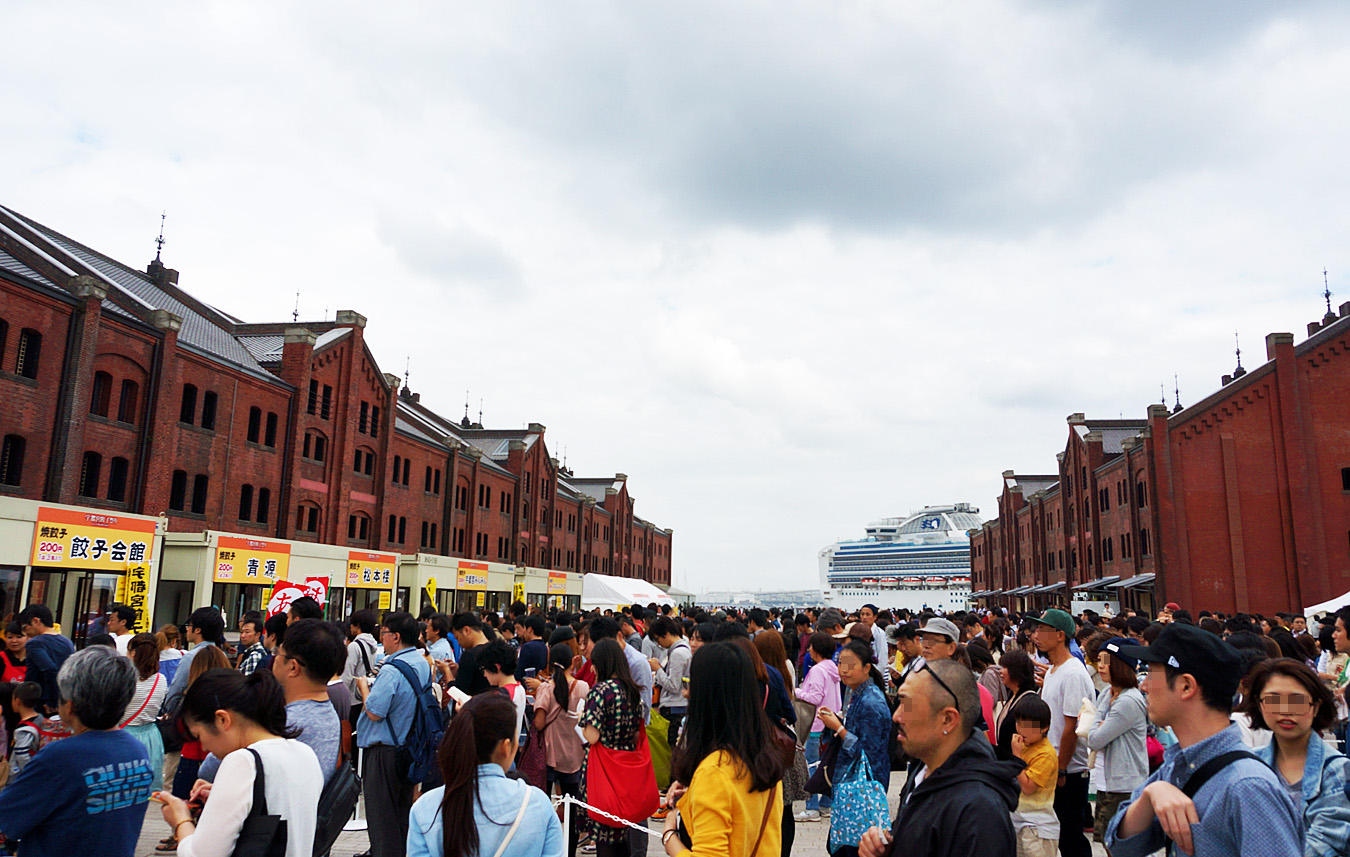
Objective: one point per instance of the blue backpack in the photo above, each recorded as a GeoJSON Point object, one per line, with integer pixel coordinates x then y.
{"type": "Point", "coordinates": [415, 759]}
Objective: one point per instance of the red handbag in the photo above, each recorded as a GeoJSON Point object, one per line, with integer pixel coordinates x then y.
{"type": "Point", "coordinates": [622, 782]}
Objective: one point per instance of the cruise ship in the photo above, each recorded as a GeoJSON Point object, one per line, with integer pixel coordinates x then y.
{"type": "Point", "coordinates": [921, 560]}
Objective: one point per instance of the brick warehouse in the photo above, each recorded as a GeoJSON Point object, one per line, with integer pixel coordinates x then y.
{"type": "Point", "coordinates": [125, 392]}
{"type": "Point", "coordinates": [1240, 502]}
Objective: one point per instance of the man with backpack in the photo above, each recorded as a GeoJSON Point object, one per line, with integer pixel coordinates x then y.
{"type": "Point", "coordinates": [361, 656]}
{"type": "Point", "coordinates": [1212, 796]}
{"type": "Point", "coordinates": [384, 727]}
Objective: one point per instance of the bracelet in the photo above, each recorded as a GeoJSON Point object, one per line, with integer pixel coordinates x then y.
{"type": "Point", "coordinates": [838, 733]}
{"type": "Point", "coordinates": [181, 823]}
{"type": "Point", "coordinates": [665, 837]}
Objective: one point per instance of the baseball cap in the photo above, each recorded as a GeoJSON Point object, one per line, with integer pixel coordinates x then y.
{"type": "Point", "coordinates": [1115, 645]}
{"type": "Point", "coordinates": [1188, 649]}
{"type": "Point", "coordinates": [945, 627]}
{"type": "Point", "coordinates": [1057, 619]}
{"type": "Point", "coordinates": [843, 632]}
{"type": "Point", "coordinates": [1172, 607]}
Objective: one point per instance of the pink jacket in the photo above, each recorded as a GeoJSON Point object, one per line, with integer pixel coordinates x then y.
{"type": "Point", "coordinates": [821, 687]}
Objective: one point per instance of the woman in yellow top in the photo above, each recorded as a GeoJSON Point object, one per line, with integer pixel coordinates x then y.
{"type": "Point", "coordinates": [731, 806]}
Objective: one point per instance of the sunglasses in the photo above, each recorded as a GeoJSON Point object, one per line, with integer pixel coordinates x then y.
{"type": "Point", "coordinates": [955, 701]}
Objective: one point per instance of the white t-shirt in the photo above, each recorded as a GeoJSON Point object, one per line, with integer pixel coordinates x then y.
{"type": "Point", "coordinates": [121, 641]}
{"type": "Point", "coordinates": [1065, 688]}
{"type": "Point", "coordinates": [292, 782]}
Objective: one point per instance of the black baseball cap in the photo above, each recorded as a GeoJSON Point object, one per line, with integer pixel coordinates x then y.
{"type": "Point", "coordinates": [1188, 649]}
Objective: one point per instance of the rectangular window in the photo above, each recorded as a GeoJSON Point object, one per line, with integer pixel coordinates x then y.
{"type": "Point", "coordinates": [436, 481]}
{"type": "Point", "coordinates": [313, 406]}
{"type": "Point", "coordinates": [30, 352]}
{"type": "Point", "coordinates": [117, 480]}
{"type": "Point", "coordinates": [434, 541]}
{"type": "Point", "coordinates": [426, 529]}
{"type": "Point", "coordinates": [374, 422]}
{"type": "Point", "coordinates": [254, 424]}
{"type": "Point", "coordinates": [398, 463]}
{"type": "Point", "coordinates": [402, 530]}
{"type": "Point", "coordinates": [1345, 478]}
{"type": "Point", "coordinates": [270, 438]}
{"type": "Point", "coordinates": [246, 502]}
{"type": "Point", "coordinates": [264, 504]}
{"type": "Point", "coordinates": [369, 468]}
{"type": "Point", "coordinates": [427, 486]}
{"type": "Point", "coordinates": [209, 410]}
{"type": "Point", "coordinates": [326, 409]}
{"type": "Point", "coordinates": [407, 471]}
{"type": "Point", "coordinates": [364, 418]}
{"type": "Point", "coordinates": [101, 395]}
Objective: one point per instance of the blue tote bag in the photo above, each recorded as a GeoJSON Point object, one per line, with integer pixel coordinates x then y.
{"type": "Point", "coordinates": [859, 804]}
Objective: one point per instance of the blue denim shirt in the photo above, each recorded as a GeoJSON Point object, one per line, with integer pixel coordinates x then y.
{"type": "Point", "coordinates": [1326, 810]}
{"type": "Point", "coordinates": [393, 699]}
{"type": "Point", "coordinates": [868, 727]}
{"type": "Point", "coordinates": [1243, 810]}
{"type": "Point", "coordinates": [499, 799]}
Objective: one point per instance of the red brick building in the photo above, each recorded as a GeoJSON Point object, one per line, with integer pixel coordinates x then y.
{"type": "Point", "coordinates": [122, 391]}
{"type": "Point", "coordinates": [1240, 502]}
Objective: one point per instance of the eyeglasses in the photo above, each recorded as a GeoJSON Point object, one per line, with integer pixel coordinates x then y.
{"type": "Point", "coordinates": [1295, 703]}
{"type": "Point", "coordinates": [955, 700]}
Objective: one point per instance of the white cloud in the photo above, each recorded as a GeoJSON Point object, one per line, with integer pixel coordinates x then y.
{"type": "Point", "coordinates": [789, 266]}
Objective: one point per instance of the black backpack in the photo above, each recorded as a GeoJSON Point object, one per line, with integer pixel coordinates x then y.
{"type": "Point", "coordinates": [337, 802]}
{"type": "Point", "coordinates": [415, 759]}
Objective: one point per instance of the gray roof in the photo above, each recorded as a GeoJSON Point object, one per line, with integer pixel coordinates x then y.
{"type": "Point", "coordinates": [207, 330]}
{"type": "Point", "coordinates": [265, 348]}
{"type": "Point", "coordinates": [594, 488]}
{"type": "Point", "coordinates": [411, 429]}
{"type": "Point", "coordinates": [9, 263]}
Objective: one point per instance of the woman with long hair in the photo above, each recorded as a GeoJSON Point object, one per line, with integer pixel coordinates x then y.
{"type": "Point", "coordinates": [151, 688]}
{"type": "Point", "coordinates": [777, 704]}
{"type": "Point", "coordinates": [612, 718]}
{"type": "Point", "coordinates": [479, 807]}
{"type": "Point", "coordinates": [242, 720]}
{"type": "Point", "coordinates": [774, 653]}
{"type": "Point", "coordinates": [555, 719]}
{"type": "Point", "coordinates": [1019, 677]}
{"type": "Point", "coordinates": [726, 756]}
{"type": "Point", "coordinates": [1288, 698]}
{"type": "Point", "coordinates": [169, 653]}
{"type": "Point", "coordinates": [1119, 734]}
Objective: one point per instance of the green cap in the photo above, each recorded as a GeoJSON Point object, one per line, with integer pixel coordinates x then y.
{"type": "Point", "coordinates": [1059, 620]}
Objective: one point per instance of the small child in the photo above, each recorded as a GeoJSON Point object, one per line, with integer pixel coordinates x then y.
{"type": "Point", "coordinates": [26, 698]}
{"type": "Point", "coordinates": [1034, 819]}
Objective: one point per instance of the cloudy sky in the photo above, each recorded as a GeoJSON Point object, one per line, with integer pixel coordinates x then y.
{"type": "Point", "coordinates": [791, 266]}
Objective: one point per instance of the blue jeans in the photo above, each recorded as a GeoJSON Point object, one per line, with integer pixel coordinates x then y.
{"type": "Point", "coordinates": [816, 802]}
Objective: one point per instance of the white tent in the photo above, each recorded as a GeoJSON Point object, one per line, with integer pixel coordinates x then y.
{"type": "Point", "coordinates": [1330, 606]}
{"type": "Point", "coordinates": [603, 591]}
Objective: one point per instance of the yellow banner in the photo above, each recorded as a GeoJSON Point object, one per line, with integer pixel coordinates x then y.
{"type": "Point", "coordinates": [431, 589]}
{"type": "Point", "coordinates": [518, 591]}
{"type": "Point", "coordinates": [251, 561]}
{"type": "Point", "coordinates": [91, 541]}
{"type": "Point", "coordinates": [384, 600]}
{"type": "Point", "coordinates": [133, 590]}
{"type": "Point", "coordinates": [472, 576]}
{"type": "Point", "coordinates": [557, 583]}
{"type": "Point", "coordinates": [370, 570]}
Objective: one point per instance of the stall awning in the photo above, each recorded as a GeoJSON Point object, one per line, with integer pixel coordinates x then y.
{"type": "Point", "coordinates": [1021, 590]}
{"type": "Point", "coordinates": [1137, 580]}
{"type": "Point", "coordinates": [1051, 587]}
{"type": "Point", "coordinates": [1101, 583]}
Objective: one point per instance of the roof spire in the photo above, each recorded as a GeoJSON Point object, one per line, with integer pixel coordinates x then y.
{"type": "Point", "coordinates": [1162, 393]}
{"type": "Point", "coordinates": [407, 369]}
{"type": "Point", "coordinates": [1326, 294]}
{"type": "Point", "coordinates": [295, 313]}
{"type": "Point", "coordinates": [159, 242]}
{"type": "Point", "coordinates": [1239, 371]}
{"type": "Point", "coordinates": [1176, 388]}
{"type": "Point", "coordinates": [480, 413]}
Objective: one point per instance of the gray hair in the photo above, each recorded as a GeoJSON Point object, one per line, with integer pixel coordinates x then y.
{"type": "Point", "coordinates": [98, 683]}
{"type": "Point", "coordinates": [962, 683]}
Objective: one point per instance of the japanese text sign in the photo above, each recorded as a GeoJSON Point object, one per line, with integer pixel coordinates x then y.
{"type": "Point", "coordinates": [472, 576]}
{"type": "Point", "coordinates": [93, 541]}
{"type": "Point", "coordinates": [370, 570]}
{"type": "Point", "coordinates": [251, 561]}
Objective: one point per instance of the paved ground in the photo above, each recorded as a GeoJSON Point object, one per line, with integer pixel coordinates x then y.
{"type": "Point", "coordinates": [810, 842]}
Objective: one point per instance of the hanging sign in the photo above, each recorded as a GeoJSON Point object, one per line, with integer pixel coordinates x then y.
{"type": "Point", "coordinates": [316, 588]}
{"type": "Point", "coordinates": [257, 561]}
{"type": "Point", "coordinates": [472, 576]}
{"type": "Point", "coordinates": [431, 589]}
{"type": "Point", "coordinates": [370, 570]}
{"type": "Point", "coordinates": [557, 583]}
{"type": "Point", "coordinates": [283, 595]}
{"type": "Point", "coordinates": [133, 590]}
{"type": "Point", "coordinates": [91, 541]}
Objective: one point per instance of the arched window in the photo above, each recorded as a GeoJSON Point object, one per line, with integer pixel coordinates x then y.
{"type": "Point", "coordinates": [127, 401]}
{"type": "Point", "coordinates": [254, 424]}
{"type": "Point", "coordinates": [393, 528]}
{"type": "Point", "coordinates": [307, 518]}
{"type": "Point", "coordinates": [270, 439]}
{"type": "Point", "coordinates": [178, 491]}
{"type": "Point", "coordinates": [11, 460]}
{"type": "Point", "coordinates": [200, 485]}
{"type": "Point", "coordinates": [91, 469]}
{"type": "Point", "coordinates": [245, 502]}
{"type": "Point", "coordinates": [402, 530]}
{"type": "Point", "coordinates": [187, 410]}
{"type": "Point", "coordinates": [398, 467]}
{"type": "Point", "coordinates": [101, 394]}
{"type": "Point", "coordinates": [30, 353]}
{"type": "Point", "coordinates": [316, 446]}
{"type": "Point", "coordinates": [264, 504]}
{"type": "Point", "coordinates": [117, 480]}
{"type": "Point", "coordinates": [209, 410]}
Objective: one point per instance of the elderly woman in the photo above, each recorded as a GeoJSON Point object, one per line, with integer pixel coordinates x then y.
{"type": "Point", "coordinates": [958, 797]}
{"type": "Point", "coordinates": [93, 786]}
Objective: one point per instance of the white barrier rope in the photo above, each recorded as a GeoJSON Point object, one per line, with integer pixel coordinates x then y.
{"type": "Point", "coordinates": [563, 800]}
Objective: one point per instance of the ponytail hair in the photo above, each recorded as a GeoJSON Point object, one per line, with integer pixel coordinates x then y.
{"type": "Point", "coordinates": [144, 652]}
{"type": "Point", "coordinates": [560, 658]}
{"type": "Point", "coordinates": [474, 732]}
{"type": "Point", "coordinates": [257, 697]}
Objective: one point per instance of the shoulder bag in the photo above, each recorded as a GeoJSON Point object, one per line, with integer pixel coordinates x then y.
{"type": "Point", "coordinates": [515, 825]}
{"type": "Point", "coordinates": [146, 702]}
{"type": "Point", "coordinates": [622, 782]}
{"type": "Point", "coordinates": [263, 835]}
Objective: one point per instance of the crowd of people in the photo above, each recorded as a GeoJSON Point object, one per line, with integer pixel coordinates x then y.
{"type": "Point", "coordinates": [1007, 734]}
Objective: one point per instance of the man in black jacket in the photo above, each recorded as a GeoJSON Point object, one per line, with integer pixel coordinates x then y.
{"type": "Point", "coordinates": [958, 795]}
